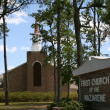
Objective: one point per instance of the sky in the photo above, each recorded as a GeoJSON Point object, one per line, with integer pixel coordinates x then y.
{"type": "Point", "coordinates": [19, 38]}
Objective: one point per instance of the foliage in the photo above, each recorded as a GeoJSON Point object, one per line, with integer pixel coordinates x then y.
{"type": "Point", "coordinates": [74, 95]}
{"type": "Point", "coordinates": [1, 30]}
{"type": "Point", "coordinates": [57, 37]}
{"type": "Point", "coordinates": [32, 96]}
{"type": "Point", "coordinates": [47, 19]}
{"type": "Point", "coordinates": [27, 96]}
{"type": "Point", "coordinates": [68, 104]}
{"type": "Point", "coordinates": [10, 6]}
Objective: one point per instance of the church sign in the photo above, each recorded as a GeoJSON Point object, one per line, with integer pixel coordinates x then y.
{"type": "Point", "coordinates": [94, 83]}
{"type": "Point", "coordinates": [95, 89]}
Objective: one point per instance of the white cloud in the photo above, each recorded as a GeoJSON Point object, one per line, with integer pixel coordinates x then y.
{"type": "Point", "coordinates": [107, 39]}
{"type": "Point", "coordinates": [16, 18]}
{"type": "Point", "coordinates": [25, 48]}
{"type": "Point", "coordinates": [20, 13]}
{"type": "Point", "coordinates": [108, 48]}
{"type": "Point", "coordinates": [10, 67]}
{"type": "Point", "coordinates": [10, 50]}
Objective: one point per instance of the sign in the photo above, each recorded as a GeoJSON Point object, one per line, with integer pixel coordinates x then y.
{"type": "Point", "coordinates": [92, 89]}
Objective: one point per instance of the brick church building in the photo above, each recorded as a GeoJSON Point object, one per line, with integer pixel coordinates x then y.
{"type": "Point", "coordinates": [35, 74]}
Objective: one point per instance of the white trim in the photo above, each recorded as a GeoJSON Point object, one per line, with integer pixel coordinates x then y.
{"type": "Point", "coordinates": [35, 62]}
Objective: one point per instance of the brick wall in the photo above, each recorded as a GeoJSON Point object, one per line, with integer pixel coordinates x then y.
{"type": "Point", "coordinates": [21, 78]}
{"type": "Point", "coordinates": [47, 73]}
{"type": "Point", "coordinates": [33, 57]}
{"type": "Point", "coordinates": [17, 78]}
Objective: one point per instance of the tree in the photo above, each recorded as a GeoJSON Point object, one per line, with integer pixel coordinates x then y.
{"type": "Point", "coordinates": [79, 15]}
{"type": "Point", "coordinates": [58, 2]}
{"type": "Point", "coordinates": [93, 29]}
{"type": "Point", "coordinates": [52, 45]}
{"type": "Point", "coordinates": [8, 7]}
{"type": "Point", "coordinates": [77, 26]}
{"type": "Point", "coordinates": [68, 62]}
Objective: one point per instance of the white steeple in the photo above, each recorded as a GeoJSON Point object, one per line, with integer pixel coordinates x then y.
{"type": "Point", "coordinates": [36, 39]}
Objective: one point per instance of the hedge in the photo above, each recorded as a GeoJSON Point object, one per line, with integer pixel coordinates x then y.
{"type": "Point", "coordinates": [31, 96]}
{"type": "Point", "coordinates": [27, 96]}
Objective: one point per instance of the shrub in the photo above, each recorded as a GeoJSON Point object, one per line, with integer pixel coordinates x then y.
{"type": "Point", "coordinates": [68, 104]}
{"type": "Point", "coordinates": [27, 97]}
{"type": "Point", "coordinates": [32, 96]}
{"type": "Point", "coordinates": [1, 96]}
{"type": "Point", "coordinates": [74, 95]}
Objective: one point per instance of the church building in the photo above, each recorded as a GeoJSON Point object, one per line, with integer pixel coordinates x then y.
{"type": "Point", "coordinates": [34, 75]}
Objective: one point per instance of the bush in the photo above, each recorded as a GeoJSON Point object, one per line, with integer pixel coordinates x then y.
{"type": "Point", "coordinates": [74, 95]}
{"type": "Point", "coordinates": [1, 96]}
{"type": "Point", "coordinates": [68, 104]}
{"type": "Point", "coordinates": [32, 96]}
{"type": "Point", "coordinates": [27, 97]}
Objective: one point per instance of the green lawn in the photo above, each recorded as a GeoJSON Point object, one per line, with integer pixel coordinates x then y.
{"type": "Point", "coordinates": [25, 106]}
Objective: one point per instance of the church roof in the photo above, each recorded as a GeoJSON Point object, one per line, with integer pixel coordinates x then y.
{"type": "Point", "coordinates": [94, 63]}
{"type": "Point", "coordinates": [17, 67]}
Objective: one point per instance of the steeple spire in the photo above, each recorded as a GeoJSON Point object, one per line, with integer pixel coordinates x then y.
{"type": "Point", "coordinates": [36, 30]}
{"type": "Point", "coordinates": [36, 39]}
{"type": "Point", "coordinates": [37, 34]}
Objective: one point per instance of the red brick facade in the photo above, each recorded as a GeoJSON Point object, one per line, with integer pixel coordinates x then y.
{"type": "Point", "coordinates": [21, 78]}
{"type": "Point", "coordinates": [17, 78]}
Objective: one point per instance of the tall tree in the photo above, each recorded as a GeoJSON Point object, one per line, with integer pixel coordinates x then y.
{"type": "Point", "coordinates": [49, 17]}
{"type": "Point", "coordinates": [8, 7]}
{"type": "Point", "coordinates": [58, 50]}
{"type": "Point", "coordinates": [91, 34]}
{"type": "Point", "coordinates": [5, 55]}
{"type": "Point", "coordinates": [77, 26]}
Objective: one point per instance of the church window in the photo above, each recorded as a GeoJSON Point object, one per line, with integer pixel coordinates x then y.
{"type": "Point", "coordinates": [37, 74]}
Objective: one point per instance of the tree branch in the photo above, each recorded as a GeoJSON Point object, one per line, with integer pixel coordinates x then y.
{"type": "Point", "coordinates": [85, 26]}
{"type": "Point", "coordinates": [13, 8]}
{"type": "Point", "coordinates": [81, 4]}
{"type": "Point", "coordinates": [91, 6]}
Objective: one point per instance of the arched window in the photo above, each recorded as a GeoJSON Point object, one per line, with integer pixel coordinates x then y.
{"type": "Point", "coordinates": [37, 74]}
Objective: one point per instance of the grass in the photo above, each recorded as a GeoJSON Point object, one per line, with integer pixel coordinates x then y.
{"type": "Point", "coordinates": [29, 100]}
{"type": "Point", "coordinates": [25, 106]}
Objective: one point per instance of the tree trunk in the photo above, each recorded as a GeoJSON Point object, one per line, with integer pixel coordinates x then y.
{"type": "Point", "coordinates": [94, 39]}
{"type": "Point", "coordinates": [68, 90]}
{"type": "Point", "coordinates": [58, 52]}
{"type": "Point", "coordinates": [54, 63]}
{"type": "Point", "coordinates": [68, 60]}
{"type": "Point", "coordinates": [77, 27]}
{"type": "Point", "coordinates": [54, 81]}
{"type": "Point", "coordinates": [77, 33]}
{"type": "Point", "coordinates": [5, 63]}
{"type": "Point", "coordinates": [99, 41]}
